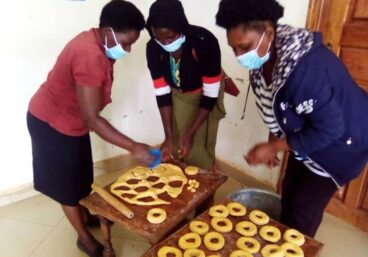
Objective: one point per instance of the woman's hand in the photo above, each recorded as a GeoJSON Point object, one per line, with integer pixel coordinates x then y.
{"type": "Point", "coordinates": [167, 148]}
{"type": "Point", "coordinates": [265, 153]}
{"type": "Point", "coordinates": [141, 153]}
{"type": "Point", "coordinates": [186, 143]}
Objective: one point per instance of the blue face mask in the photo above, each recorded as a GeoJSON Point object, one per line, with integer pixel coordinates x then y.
{"type": "Point", "coordinates": [115, 52]}
{"type": "Point", "coordinates": [251, 60]}
{"type": "Point", "coordinates": [173, 46]}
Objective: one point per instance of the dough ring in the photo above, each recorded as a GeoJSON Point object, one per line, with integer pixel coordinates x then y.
{"type": "Point", "coordinates": [218, 211]}
{"type": "Point", "coordinates": [236, 209]}
{"type": "Point", "coordinates": [272, 251]}
{"type": "Point", "coordinates": [270, 234]}
{"type": "Point", "coordinates": [246, 228]}
{"type": "Point", "coordinates": [166, 251]}
{"type": "Point", "coordinates": [292, 250]}
{"type": "Point", "coordinates": [190, 241]}
{"type": "Point", "coordinates": [194, 253]}
{"type": "Point", "coordinates": [294, 236]}
{"type": "Point", "coordinates": [240, 253]}
{"type": "Point", "coordinates": [222, 225]}
{"type": "Point", "coordinates": [214, 241]}
{"type": "Point", "coordinates": [248, 244]}
{"type": "Point", "coordinates": [191, 170]}
{"type": "Point", "coordinates": [156, 215]}
{"type": "Point", "coordinates": [259, 217]}
{"type": "Point", "coordinates": [199, 227]}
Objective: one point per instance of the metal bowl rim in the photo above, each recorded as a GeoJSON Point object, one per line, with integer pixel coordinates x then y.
{"type": "Point", "coordinates": [251, 189]}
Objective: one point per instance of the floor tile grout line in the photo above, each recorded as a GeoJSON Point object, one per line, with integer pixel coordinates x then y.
{"type": "Point", "coordinates": [42, 241]}
{"type": "Point", "coordinates": [61, 219]}
{"type": "Point", "coordinates": [29, 222]}
{"type": "Point", "coordinates": [24, 221]}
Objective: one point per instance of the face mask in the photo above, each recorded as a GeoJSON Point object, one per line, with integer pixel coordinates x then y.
{"type": "Point", "coordinates": [173, 46]}
{"type": "Point", "coordinates": [251, 60]}
{"type": "Point", "coordinates": [115, 52]}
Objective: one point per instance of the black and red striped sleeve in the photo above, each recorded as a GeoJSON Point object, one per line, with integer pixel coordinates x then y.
{"type": "Point", "coordinates": [209, 56]}
{"type": "Point", "coordinates": [162, 88]}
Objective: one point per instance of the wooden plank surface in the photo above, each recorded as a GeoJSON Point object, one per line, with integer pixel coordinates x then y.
{"type": "Point", "coordinates": [311, 247]}
{"type": "Point", "coordinates": [361, 9]}
{"type": "Point", "coordinates": [177, 211]}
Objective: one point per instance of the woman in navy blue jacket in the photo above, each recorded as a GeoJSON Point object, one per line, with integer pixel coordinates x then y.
{"type": "Point", "coordinates": [307, 99]}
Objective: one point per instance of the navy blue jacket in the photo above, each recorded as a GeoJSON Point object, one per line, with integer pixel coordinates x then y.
{"type": "Point", "coordinates": [324, 114]}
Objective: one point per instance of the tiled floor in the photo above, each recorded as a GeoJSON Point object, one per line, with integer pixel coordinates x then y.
{"type": "Point", "coordinates": [36, 227]}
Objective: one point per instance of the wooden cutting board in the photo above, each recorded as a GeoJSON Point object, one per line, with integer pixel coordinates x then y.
{"type": "Point", "coordinates": [177, 211]}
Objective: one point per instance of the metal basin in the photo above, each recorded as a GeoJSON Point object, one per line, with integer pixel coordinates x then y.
{"type": "Point", "coordinates": [260, 199]}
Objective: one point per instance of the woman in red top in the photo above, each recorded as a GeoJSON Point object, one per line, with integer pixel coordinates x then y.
{"type": "Point", "coordinates": [67, 106]}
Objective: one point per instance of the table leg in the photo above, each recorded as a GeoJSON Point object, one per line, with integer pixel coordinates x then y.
{"type": "Point", "coordinates": [205, 205]}
{"type": "Point", "coordinates": [106, 232]}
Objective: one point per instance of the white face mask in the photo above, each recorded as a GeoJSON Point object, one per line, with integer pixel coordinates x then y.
{"type": "Point", "coordinates": [115, 52]}
{"type": "Point", "coordinates": [173, 46]}
{"type": "Point", "coordinates": [251, 60]}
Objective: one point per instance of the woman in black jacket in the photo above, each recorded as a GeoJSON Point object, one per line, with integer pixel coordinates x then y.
{"type": "Point", "coordinates": [185, 65]}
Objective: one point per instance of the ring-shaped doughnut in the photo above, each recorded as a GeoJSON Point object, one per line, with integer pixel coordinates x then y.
{"type": "Point", "coordinates": [199, 227]}
{"type": "Point", "coordinates": [294, 236]}
{"type": "Point", "coordinates": [236, 209]}
{"type": "Point", "coordinates": [209, 241]}
{"type": "Point", "coordinates": [169, 250]}
{"type": "Point", "coordinates": [222, 225]}
{"type": "Point", "coordinates": [272, 251]}
{"type": "Point", "coordinates": [246, 228]}
{"type": "Point", "coordinates": [218, 211]}
{"type": "Point", "coordinates": [156, 215]}
{"type": "Point", "coordinates": [190, 241]}
{"type": "Point", "coordinates": [240, 253]}
{"type": "Point", "coordinates": [259, 217]}
{"type": "Point", "coordinates": [248, 244]}
{"type": "Point", "coordinates": [292, 250]}
{"type": "Point", "coordinates": [191, 170]}
{"type": "Point", "coordinates": [194, 253]}
{"type": "Point", "coordinates": [270, 233]}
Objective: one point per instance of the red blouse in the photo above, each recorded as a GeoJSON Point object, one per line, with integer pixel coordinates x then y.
{"type": "Point", "coordinates": [82, 62]}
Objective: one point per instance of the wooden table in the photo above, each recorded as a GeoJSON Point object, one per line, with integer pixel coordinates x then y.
{"type": "Point", "coordinates": [311, 247]}
{"type": "Point", "coordinates": [177, 211]}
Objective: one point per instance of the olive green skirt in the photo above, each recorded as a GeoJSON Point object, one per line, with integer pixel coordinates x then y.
{"type": "Point", "coordinates": [185, 107]}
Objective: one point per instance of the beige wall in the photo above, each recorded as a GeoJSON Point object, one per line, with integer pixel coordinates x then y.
{"type": "Point", "coordinates": [33, 34]}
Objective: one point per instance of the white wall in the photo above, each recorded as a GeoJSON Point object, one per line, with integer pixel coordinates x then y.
{"type": "Point", "coordinates": [33, 34]}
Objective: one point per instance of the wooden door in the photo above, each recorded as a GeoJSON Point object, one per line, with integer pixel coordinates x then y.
{"type": "Point", "coordinates": [344, 24]}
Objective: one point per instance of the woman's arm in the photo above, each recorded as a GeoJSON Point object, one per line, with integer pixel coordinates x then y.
{"type": "Point", "coordinates": [207, 54]}
{"type": "Point", "coordinates": [186, 141]}
{"type": "Point", "coordinates": [167, 146]}
{"type": "Point", "coordinates": [90, 102]}
{"type": "Point", "coordinates": [163, 96]}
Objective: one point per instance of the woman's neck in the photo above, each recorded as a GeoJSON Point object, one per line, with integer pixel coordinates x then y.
{"type": "Point", "coordinates": [177, 54]}
{"type": "Point", "coordinates": [270, 64]}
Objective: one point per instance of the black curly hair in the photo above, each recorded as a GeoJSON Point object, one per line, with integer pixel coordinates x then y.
{"type": "Point", "coordinates": [232, 13]}
{"type": "Point", "coordinates": [121, 15]}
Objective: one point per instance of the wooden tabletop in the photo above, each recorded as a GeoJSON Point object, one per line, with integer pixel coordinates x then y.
{"type": "Point", "coordinates": [177, 211]}
{"type": "Point", "coordinates": [311, 247]}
